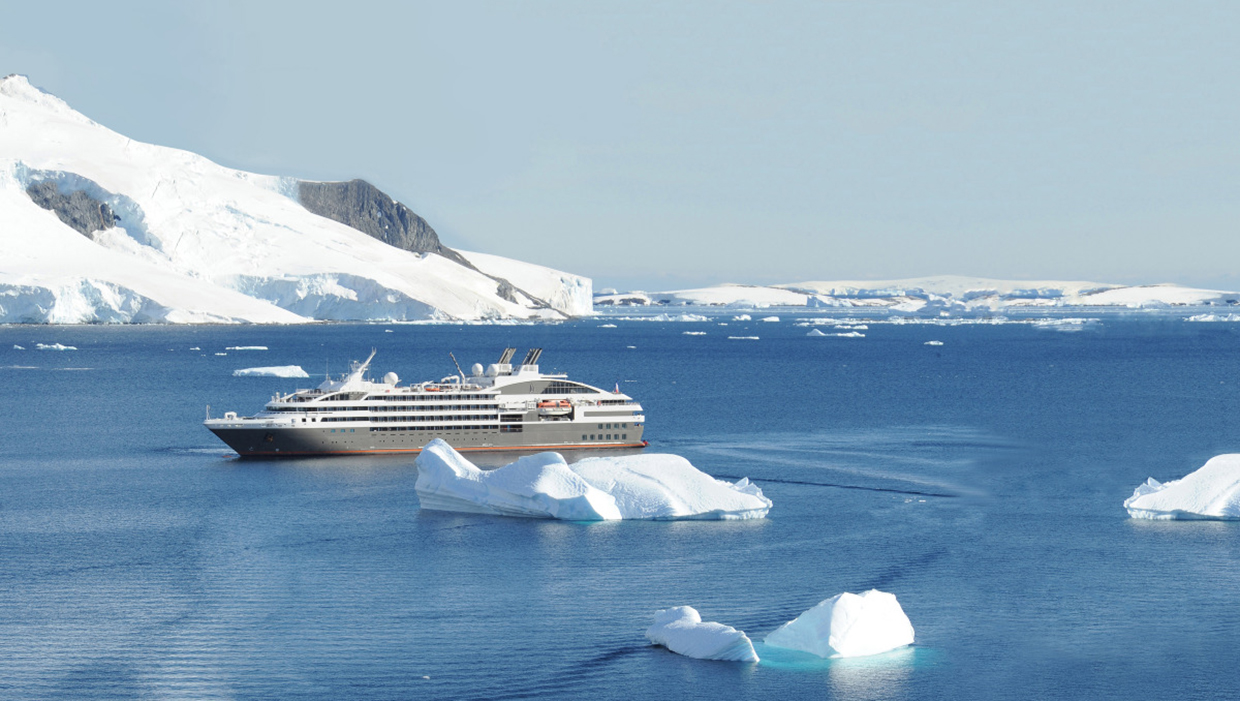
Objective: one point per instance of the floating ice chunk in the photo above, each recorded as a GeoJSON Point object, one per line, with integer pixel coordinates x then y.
{"type": "Point", "coordinates": [1214, 317]}
{"type": "Point", "coordinates": [387, 331]}
{"type": "Point", "coordinates": [743, 338]}
{"type": "Point", "coordinates": [852, 327]}
{"type": "Point", "coordinates": [54, 346]}
{"type": "Point", "coordinates": [694, 333]}
{"type": "Point", "coordinates": [741, 317]}
{"type": "Point", "coordinates": [631, 347]}
{"type": "Point", "coordinates": [241, 348]}
{"type": "Point", "coordinates": [933, 343]}
{"type": "Point", "coordinates": [274, 371]}
{"type": "Point", "coordinates": [17, 347]}
{"type": "Point", "coordinates": [847, 625]}
{"type": "Point", "coordinates": [607, 326]}
{"type": "Point", "coordinates": [851, 334]}
{"type": "Point", "coordinates": [771, 318]}
{"type": "Point", "coordinates": [681, 630]}
{"type": "Point", "coordinates": [221, 354]}
{"type": "Point", "coordinates": [815, 332]}
{"type": "Point", "coordinates": [1212, 492]}
{"type": "Point", "coordinates": [595, 489]}
{"type": "Point", "coordinates": [656, 486]}
{"type": "Point", "coordinates": [536, 486]}
{"type": "Point", "coordinates": [195, 348]}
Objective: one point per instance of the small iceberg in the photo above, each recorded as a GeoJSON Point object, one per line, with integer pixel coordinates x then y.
{"type": "Point", "coordinates": [607, 326]}
{"type": "Point", "coordinates": [1212, 492]}
{"type": "Point", "coordinates": [649, 487]}
{"type": "Point", "coordinates": [847, 625]}
{"type": "Point", "coordinates": [815, 332]}
{"type": "Point", "coordinates": [17, 347]}
{"type": "Point", "coordinates": [933, 343]}
{"type": "Point", "coordinates": [276, 371]}
{"type": "Point", "coordinates": [54, 347]}
{"type": "Point", "coordinates": [741, 317]}
{"type": "Point", "coordinates": [771, 319]}
{"type": "Point", "coordinates": [743, 338]}
{"type": "Point", "coordinates": [241, 348]}
{"type": "Point", "coordinates": [694, 333]}
{"type": "Point", "coordinates": [851, 334]}
{"type": "Point", "coordinates": [681, 630]}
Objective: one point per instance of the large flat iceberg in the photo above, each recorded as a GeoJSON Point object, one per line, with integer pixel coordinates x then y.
{"type": "Point", "coordinates": [272, 371]}
{"type": "Point", "coordinates": [847, 625]}
{"type": "Point", "coordinates": [681, 630]}
{"type": "Point", "coordinates": [651, 487]}
{"type": "Point", "coordinates": [1212, 492]}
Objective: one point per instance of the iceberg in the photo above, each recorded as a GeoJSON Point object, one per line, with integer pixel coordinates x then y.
{"type": "Point", "coordinates": [54, 346]}
{"type": "Point", "coordinates": [681, 630]}
{"type": "Point", "coordinates": [771, 319]}
{"type": "Point", "coordinates": [847, 625]}
{"type": "Point", "coordinates": [241, 348]}
{"type": "Point", "coordinates": [932, 343]}
{"type": "Point", "coordinates": [1212, 492]}
{"type": "Point", "coordinates": [815, 332]}
{"type": "Point", "coordinates": [275, 371]}
{"type": "Point", "coordinates": [650, 487]}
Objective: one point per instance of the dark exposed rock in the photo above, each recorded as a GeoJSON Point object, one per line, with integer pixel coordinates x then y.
{"type": "Point", "coordinates": [77, 209]}
{"type": "Point", "coordinates": [368, 209]}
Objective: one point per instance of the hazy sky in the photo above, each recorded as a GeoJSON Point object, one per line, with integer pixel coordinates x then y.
{"type": "Point", "coordinates": [662, 145]}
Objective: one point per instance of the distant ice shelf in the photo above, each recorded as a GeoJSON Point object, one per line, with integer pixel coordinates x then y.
{"type": "Point", "coordinates": [648, 486]}
{"type": "Point", "coordinates": [1212, 492]}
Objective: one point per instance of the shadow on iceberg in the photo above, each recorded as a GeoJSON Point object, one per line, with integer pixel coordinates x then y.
{"type": "Point", "coordinates": [1210, 493]}
{"type": "Point", "coordinates": [648, 487]}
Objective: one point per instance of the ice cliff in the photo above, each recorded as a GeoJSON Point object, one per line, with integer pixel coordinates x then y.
{"type": "Point", "coordinates": [96, 227]}
{"type": "Point", "coordinates": [652, 487]}
{"type": "Point", "coordinates": [1211, 492]}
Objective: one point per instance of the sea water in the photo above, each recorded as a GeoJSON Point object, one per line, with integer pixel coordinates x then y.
{"type": "Point", "coordinates": [980, 481]}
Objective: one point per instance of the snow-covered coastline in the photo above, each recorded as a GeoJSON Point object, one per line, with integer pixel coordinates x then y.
{"type": "Point", "coordinates": [98, 228]}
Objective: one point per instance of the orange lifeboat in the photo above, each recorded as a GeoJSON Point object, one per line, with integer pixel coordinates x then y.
{"type": "Point", "coordinates": [554, 407]}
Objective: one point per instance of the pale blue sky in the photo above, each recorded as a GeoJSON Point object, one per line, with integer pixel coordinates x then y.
{"type": "Point", "coordinates": [662, 145]}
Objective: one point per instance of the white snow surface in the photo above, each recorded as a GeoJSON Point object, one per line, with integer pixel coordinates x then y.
{"type": "Point", "coordinates": [648, 486]}
{"type": "Point", "coordinates": [201, 243]}
{"type": "Point", "coordinates": [681, 630]}
{"type": "Point", "coordinates": [1211, 492]}
{"type": "Point", "coordinates": [847, 625]}
{"type": "Point", "coordinates": [273, 371]}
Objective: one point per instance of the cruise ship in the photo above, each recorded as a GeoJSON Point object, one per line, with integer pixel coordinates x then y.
{"type": "Point", "coordinates": [501, 407]}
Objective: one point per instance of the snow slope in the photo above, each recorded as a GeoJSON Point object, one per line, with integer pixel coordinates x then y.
{"type": "Point", "coordinates": [198, 242]}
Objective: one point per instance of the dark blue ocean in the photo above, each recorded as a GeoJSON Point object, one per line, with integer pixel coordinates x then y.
{"type": "Point", "coordinates": [980, 481]}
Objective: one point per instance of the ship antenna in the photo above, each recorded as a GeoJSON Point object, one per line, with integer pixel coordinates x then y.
{"type": "Point", "coordinates": [458, 366]}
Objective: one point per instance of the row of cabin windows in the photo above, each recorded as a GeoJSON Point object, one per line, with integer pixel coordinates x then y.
{"type": "Point", "coordinates": [605, 437]}
{"type": "Point", "coordinates": [456, 407]}
{"type": "Point", "coordinates": [611, 425]}
{"type": "Point", "coordinates": [384, 419]}
{"type": "Point", "coordinates": [432, 428]}
{"type": "Point", "coordinates": [433, 397]}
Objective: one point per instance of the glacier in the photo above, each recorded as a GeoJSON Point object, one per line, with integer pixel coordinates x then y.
{"type": "Point", "coordinates": [1211, 492]}
{"type": "Point", "coordinates": [681, 630]}
{"type": "Point", "coordinates": [151, 234]}
{"type": "Point", "coordinates": [847, 625]}
{"type": "Point", "coordinates": [649, 487]}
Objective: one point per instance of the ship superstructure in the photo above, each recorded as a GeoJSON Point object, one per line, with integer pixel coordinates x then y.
{"type": "Point", "coordinates": [499, 407]}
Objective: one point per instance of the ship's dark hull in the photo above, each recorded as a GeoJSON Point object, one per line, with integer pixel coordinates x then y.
{"type": "Point", "coordinates": [303, 441]}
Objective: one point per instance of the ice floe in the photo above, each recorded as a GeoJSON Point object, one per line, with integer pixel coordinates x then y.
{"type": "Point", "coordinates": [694, 333]}
{"type": "Point", "coordinates": [743, 338]}
{"type": "Point", "coordinates": [850, 334]}
{"type": "Point", "coordinates": [847, 625]}
{"type": "Point", "coordinates": [54, 347]}
{"type": "Point", "coordinates": [649, 486]}
{"type": "Point", "coordinates": [245, 348]}
{"type": "Point", "coordinates": [274, 371]}
{"type": "Point", "coordinates": [771, 319]}
{"type": "Point", "coordinates": [1212, 492]}
{"type": "Point", "coordinates": [933, 343]}
{"type": "Point", "coordinates": [607, 326]}
{"type": "Point", "coordinates": [17, 347]}
{"type": "Point", "coordinates": [815, 332]}
{"type": "Point", "coordinates": [681, 630]}
{"type": "Point", "coordinates": [1214, 317]}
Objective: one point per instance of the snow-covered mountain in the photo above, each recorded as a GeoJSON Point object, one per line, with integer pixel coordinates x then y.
{"type": "Point", "coordinates": [938, 295]}
{"type": "Point", "coordinates": [96, 227]}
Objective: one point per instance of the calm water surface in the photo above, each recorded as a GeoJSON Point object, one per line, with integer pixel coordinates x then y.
{"type": "Point", "coordinates": [980, 481]}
